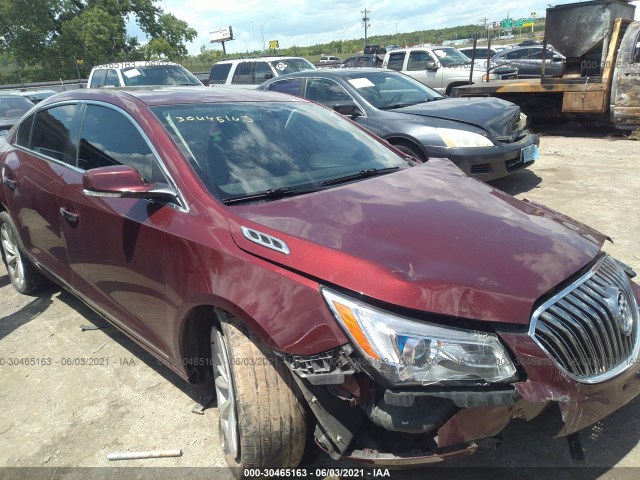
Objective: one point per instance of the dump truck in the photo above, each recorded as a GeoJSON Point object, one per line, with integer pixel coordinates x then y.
{"type": "Point", "coordinates": [601, 75]}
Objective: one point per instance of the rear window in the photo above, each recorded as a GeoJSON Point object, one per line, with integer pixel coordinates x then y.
{"type": "Point", "coordinates": [219, 73]}
{"type": "Point", "coordinates": [396, 61]}
{"type": "Point", "coordinates": [291, 87]}
{"type": "Point", "coordinates": [290, 65]}
{"type": "Point", "coordinates": [158, 75]}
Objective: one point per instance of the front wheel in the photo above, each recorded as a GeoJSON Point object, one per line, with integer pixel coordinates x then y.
{"type": "Point", "coordinates": [24, 276]}
{"type": "Point", "coordinates": [262, 421]}
{"type": "Point", "coordinates": [412, 151]}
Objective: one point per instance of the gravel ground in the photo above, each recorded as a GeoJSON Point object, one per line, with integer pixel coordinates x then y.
{"type": "Point", "coordinates": [61, 416]}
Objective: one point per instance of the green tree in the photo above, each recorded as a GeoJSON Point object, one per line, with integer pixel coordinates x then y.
{"type": "Point", "coordinates": [31, 31]}
{"type": "Point", "coordinates": [170, 41]}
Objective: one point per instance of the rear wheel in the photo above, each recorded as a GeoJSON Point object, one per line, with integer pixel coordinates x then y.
{"type": "Point", "coordinates": [262, 421]}
{"type": "Point", "coordinates": [24, 276]}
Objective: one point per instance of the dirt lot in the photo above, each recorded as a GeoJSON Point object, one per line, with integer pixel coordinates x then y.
{"type": "Point", "coordinates": [66, 415]}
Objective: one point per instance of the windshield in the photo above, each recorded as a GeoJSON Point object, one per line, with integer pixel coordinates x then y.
{"type": "Point", "coordinates": [387, 90]}
{"type": "Point", "coordinates": [14, 106]}
{"type": "Point", "coordinates": [450, 57]}
{"type": "Point", "coordinates": [158, 75]}
{"type": "Point", "coordinates": [245, 148]}
{"type": "Point", "coordinates": [291, 65]}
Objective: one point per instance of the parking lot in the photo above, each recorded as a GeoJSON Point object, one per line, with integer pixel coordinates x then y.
{"type": "Point", "coordinates": [70, 396]}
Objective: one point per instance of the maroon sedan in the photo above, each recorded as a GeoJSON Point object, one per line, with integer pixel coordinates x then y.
{"type": "Point", "coordinates": [316, 275]}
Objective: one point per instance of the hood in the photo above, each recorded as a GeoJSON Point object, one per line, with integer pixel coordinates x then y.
{"type": "Point", "coordinates": [499, 117]}
{"type": "Point", "coordinates": [426, 238]}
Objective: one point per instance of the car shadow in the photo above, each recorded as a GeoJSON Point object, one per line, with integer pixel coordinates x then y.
{"type": "Point", "coordinates": [197, 392]}
{"type": "Point", "coordinates": [33, 309]}
{"type": "Point", "coordinates": [518, 182]}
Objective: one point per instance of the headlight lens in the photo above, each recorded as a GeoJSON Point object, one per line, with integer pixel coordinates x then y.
{"type": "Point", "coordinates": [409, 352]}
{"type": "Point", "coordinates": [522, 123]}
{"type": "Point", "coordinates": [463, 139]}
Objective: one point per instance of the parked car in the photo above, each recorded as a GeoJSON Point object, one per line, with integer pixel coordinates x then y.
{"type": "Point", "coordinates": [388, 48]}
{"type": "Point", "coordinates": [374, 49]}
{"type": "Point", "coordinates": [441, 68]}
{"type": "Point", "coordinates": [481, 52]}
{"type": "Point", "coordinates": [12, 107]}
{"type": "Point", "coordinates": [33, 95]}
{"type": "Point", "coordinates": [330, 59]}
{"type": "Point", "coordinates": [251, 72]}
{"type": "Point", "coordinates": [528, 61]}
{"type": "Point", "coordinates": [141, 73]}
{"type": "Point", "coordinates": [363, 60]}
{"type": "Point", "coordinates": [486, 138]}
{"type": "Point", "coordinates": [315, 275]}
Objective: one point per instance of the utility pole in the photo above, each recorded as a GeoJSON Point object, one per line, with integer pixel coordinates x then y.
{"type": "Point", "coordinates": [486, 30]}
{"type": "Point", "coordinates": [365, 22]}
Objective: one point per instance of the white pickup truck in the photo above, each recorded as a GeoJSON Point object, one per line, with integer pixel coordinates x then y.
{"type": "Point", "coordinates": [441, 68]}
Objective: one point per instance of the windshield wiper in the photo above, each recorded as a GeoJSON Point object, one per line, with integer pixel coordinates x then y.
{"type": "Point", "coordinates": [364, 173]}
{"type": "Point", "coordinates": [270, 193]}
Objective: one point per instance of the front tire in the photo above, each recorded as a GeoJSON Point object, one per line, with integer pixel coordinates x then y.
{"type": "Point", "coordinates": [24, 276]}
{"type": "Point", "coordinates": [262, 421]}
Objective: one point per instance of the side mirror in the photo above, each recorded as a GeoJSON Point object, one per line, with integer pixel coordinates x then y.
{"type": "Point", "coordinates": [557, 58]}
{"type": "Point", "coordinates": [122, 181]}
{"type": "Point", "coordinates": [430, 65]}
{"type": "Point", "coordinates": [348, 109]}
{"type": "Point", "coordinates": [268, 76]}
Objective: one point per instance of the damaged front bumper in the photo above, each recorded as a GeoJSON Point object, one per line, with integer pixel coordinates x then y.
{"type": "Point", "coordinates": [359, 419]}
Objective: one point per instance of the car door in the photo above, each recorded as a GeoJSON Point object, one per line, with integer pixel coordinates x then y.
{"type": "Point", "coordinates": [116, 246]}
{"type": "Point", "coordinates": [32, 176]}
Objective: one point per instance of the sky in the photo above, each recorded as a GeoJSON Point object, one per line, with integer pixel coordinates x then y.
{"type": "Point", "coordinates": [308, 22]}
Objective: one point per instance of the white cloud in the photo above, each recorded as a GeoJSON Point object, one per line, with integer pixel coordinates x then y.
{"type": "Point", "coordinates": [306, 22]}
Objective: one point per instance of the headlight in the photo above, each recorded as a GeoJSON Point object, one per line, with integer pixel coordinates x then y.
{"type": "Point", "coordinates": [411, 352]}
{"type": "Point", "coordinates": [522, 123]}
{"type": "Point", "coordinates": [462, 138]}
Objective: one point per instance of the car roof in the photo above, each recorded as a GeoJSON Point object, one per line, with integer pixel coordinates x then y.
{"type": "Point", "coordinates": [253, 59]}
{"type": "Point", "coordinates": [153, 96]}
{"type": "Point", "coordinates": [335, 72]}
{"type": "Point", "coordinates": [138, 63]}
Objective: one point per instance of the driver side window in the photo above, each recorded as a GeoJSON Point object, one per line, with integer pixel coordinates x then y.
{"type": "Point", "coordinates": [418, 61]}
{"type": "Point", "coordinates": [109, 138]}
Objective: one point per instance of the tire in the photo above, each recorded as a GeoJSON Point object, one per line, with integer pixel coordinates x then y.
{"type": "Point", "coordinates": [24, 276]}
{"type": "Point", "coordinates": [411, 150]}
{"type": "Point", "coordinates": [451, 86]}
{"type": "Point", "coordinates": [262, 421]}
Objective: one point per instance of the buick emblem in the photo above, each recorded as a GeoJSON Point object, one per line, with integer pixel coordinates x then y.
{"type": "Point", "coordinates": [621, 310]}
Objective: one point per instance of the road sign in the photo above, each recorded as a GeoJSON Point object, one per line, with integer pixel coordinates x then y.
{"type": "Point", "coordinates": [273, 44]}
{"type": "Point", "coordinates": [507, 23]}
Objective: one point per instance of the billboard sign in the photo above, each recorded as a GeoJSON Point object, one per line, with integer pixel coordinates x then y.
{"type": "Point", "coordinates": [221, 34]}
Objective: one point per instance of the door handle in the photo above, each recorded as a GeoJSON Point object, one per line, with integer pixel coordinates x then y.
{"type": "Point", "coordinates": [69, 216]}
{"type": "Point", "coordinates": [10, 183]}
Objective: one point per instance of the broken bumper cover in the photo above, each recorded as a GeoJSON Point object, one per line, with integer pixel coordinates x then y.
{"type": "Point", "coordinates": [404, 427]}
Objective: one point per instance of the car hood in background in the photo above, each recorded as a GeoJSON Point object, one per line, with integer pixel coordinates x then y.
{"type": "Point", "coordinates": [427, 238]}
{"type": "Point", "coordinates": [495, 115]}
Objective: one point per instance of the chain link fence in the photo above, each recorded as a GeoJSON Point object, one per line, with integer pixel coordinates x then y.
{"type": "Point", "coordinates": [62, 71]}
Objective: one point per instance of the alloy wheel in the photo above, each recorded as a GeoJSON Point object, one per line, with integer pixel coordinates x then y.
{"type": "Point", "coordinates": [225, 392]}
{"type": "Point", "coordinates": [15, 265]}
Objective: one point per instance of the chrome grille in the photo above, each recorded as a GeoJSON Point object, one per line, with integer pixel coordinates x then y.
{"type": "Point", "coordinates": [590, 329]}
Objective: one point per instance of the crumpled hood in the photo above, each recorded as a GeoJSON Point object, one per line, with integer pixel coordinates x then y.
{"type": "Point", "coordinates": [497, 116]}
{"type": "Point", "coordinates": [427, 238]}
